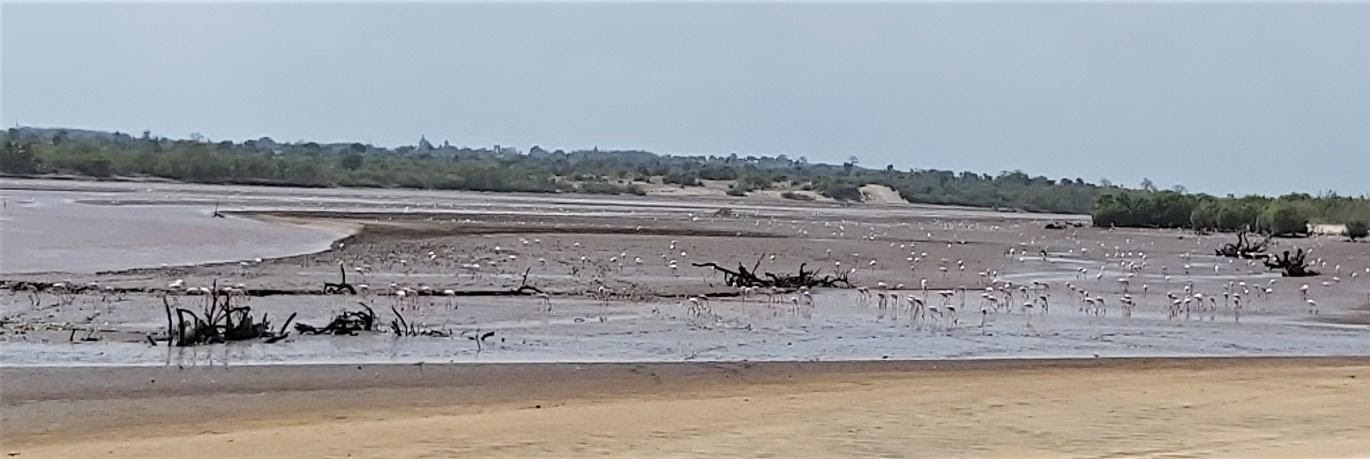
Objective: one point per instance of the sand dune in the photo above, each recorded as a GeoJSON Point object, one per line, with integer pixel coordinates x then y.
{"type": "Point", "coordinates": [880, 194]}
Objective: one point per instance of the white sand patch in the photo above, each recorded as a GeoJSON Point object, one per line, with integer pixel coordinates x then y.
{"type": "Point", "coordinates": [880, 194]}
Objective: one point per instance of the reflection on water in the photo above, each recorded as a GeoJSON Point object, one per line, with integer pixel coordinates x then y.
{"type": "Point", "coordinates": [754, 332]}
{"type": "Point", "coordinates": [88, 227]}
{"type": "Point", "coordinates": [50, 231]}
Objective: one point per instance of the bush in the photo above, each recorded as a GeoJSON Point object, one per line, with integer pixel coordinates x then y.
{"type": "Point", "coordinates": [1235, 216]}
{"type": "Point", "coordinates": [1166, 209]}
{"type": "Point", "coordinates": [609, 188]}
{"type": "Point", "coordinates": [681, 178]}
{"type": "Point", "coordinates": [98, 167]}
{"type": "Point", "coordinates": [718, 173]}
{"type": "Point", "coordinates": [796, 196]}
{"type": "Point", "coordinates": [736, 191]}
{"type": "Point", "coordinates": [843, 192]}
{"type": "Point", "coordinates": [17, 158]}
{"type": "Point", "coordinates": [1357, 230]}
{"type": "Point", "coordinates": [754, 182]}
{"type": "Point", "coordinates": [1283, 218]}
{"type": "Point", "coordinates": [352, 161]}
{"type": "Point", "coordinates": [1224, 215]}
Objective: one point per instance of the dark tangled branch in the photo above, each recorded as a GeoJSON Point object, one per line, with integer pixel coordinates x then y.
{"type": "Point", "coordinates": [743, 277]}
{"type": "Point", "coordinates": [219, 322]}
{"type": "Point", "coordinates": [331, 288]}
{"type": "Point", "coordinates": [345, 323]}
{"type": "Point", "coordinates": [1244, 248]}
{"type": "Point", "coordinates": [1295, 265]}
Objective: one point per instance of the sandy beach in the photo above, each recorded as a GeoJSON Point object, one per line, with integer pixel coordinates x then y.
{"type": "Point", "coordinates": [1047, 408]}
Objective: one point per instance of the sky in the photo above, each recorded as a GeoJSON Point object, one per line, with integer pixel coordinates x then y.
{"type": "Point", "coordinates": [1217, 97]}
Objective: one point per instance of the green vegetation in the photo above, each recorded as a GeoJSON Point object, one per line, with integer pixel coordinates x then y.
{"type": "Point", "coordinates": [841, 191]}
{"type": "Point", "coordinates": [1286, 215]}
{"type": "Point", "coordinates": [1357, 229]}
{"type": "Point", "coordinates": [29, 151]}
{"type": "Point", "coordinates": [1283, 218]}
{"type": "Point", "coordinates": [34, 151]}
{"type": "Point", "coordinates": [1165, 209]}
{"type": "Point", "coordinates": [683, 179]}
{"type": "Point", "coordinates": [610, 188]}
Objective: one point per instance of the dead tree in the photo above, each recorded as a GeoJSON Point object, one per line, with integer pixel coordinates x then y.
{"type": "Point", "coordinates": [340, 287]}
{"type": "Point", "coordinates": [527, 290]}
{"type": "Point", "coordinates": [524, 288]}
{"type": "Point", "coordinates": [743, 277]}
{"type": "Point", "coordinates": [345, 323]}
{"type": "Point", "coordinates": [401, 327]}
{"type": "Point", "coordinates": [1295, 265]}
{"type": "Point", "coordinates": [479, 338]}
{"type": "Point", "coordinates": [1244, 248]}
{"type": "Point", "coordinates": [218, 322]}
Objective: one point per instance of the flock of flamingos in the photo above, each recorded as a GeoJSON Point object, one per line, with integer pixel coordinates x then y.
{"type": "Point", "coordinates": [1126, 284]}
{"type": "Point", "coordinates": [1119, 287]}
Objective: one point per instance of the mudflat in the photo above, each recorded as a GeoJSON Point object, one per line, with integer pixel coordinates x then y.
{"type": "Point", "coordinates": [1242, 407]}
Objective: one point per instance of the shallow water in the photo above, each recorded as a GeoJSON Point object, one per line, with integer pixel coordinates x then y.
{"type": "Point", "coordinates": [85, 227]}
{"type": "Point", "coordinates": [837, 328]}
{"type": "Point", "coordinates": [42, 231]}
{"type": "Point", "coordinates": [162, 222]}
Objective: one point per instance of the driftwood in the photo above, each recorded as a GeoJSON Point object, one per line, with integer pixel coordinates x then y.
{"type": "Point", "coordinates": [401, 327]}
{"type": "Point", "coordinates": [90, 335]}
{"type": "Point", "coordinates": [331, 288]}
{"type": "Point", "coordinates": [55, 287]}
{"type": "Point", "coordinates": [218, 322]}
{"type": "Point", "coordinates": [1295, 265]}
{"type": "Point", "coordinates": [349, 323]}
{"type": "Point", "coordinates": [1244, 248]}
{"type": "Point", "coordinates": [524, 288]}
{"type": "Point", "coordinates": [345, 323]}
{"type": "Point", "coordinates": [1060, 225]}
{"type": "Point", "coordinates": [743, 277]}
{"type": "Point", "coordinates": [479, 338]}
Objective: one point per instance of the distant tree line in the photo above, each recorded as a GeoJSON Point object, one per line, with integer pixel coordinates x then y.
{"type": "Point", "coordinates": [501, 168]}
{"type": "Point", "coordinates": [1285, 215]}
{"type": "Point", "coordinates": [264, 161]}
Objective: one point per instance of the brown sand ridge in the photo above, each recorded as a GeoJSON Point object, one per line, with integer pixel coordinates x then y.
{"type": "Point", "coordinates": [1080, 408]}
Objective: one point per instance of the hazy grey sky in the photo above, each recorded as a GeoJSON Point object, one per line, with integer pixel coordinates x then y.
{"type": "Point", "coordinates": [1220, 98]}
